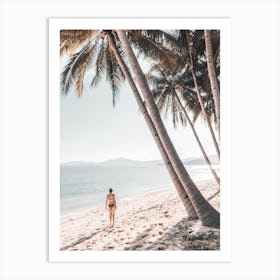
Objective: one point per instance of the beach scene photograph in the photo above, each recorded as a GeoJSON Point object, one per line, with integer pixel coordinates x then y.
{"type": "Point", "coordinates": [140, 140]}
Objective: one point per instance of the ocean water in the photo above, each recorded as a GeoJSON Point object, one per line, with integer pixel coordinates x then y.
{"type": "Point", "coordinates": [83, 186]}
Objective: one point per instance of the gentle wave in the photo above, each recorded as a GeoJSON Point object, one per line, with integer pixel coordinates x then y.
{"type": "Point", "coordinates": [84, 187]}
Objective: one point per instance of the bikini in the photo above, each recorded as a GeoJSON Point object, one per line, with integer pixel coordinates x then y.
{"type": "Point", "coordinates": [111, 204]}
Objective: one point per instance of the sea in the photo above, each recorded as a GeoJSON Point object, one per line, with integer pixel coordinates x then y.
{"type": "Point", "coordinates": [83, 186]}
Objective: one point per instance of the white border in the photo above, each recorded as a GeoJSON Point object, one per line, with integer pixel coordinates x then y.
{"type": "Point", "coordinates": [55, 25]}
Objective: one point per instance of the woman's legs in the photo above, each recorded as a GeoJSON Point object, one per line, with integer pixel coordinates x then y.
{"type": "Point", "coordinates": [110, 215]}
{"type": "Point", "coordinates": [113, 215]}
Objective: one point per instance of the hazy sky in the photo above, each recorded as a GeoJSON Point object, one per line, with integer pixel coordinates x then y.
{"type": "Point", "coordinates": [92, 130]}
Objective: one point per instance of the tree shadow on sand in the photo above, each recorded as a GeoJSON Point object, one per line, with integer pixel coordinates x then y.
{"type": "Point", "coordinates": [185, 235]}
{"type": "Point", "coordinates": [79, 241]}
{"type": "Point", "coordinates": [140, 240]}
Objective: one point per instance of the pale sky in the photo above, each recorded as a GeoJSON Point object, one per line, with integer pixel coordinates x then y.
{"type": "Point", "coordinates": [92, 130]}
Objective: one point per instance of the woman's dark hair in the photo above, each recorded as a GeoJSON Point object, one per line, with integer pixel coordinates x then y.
{"type": "Point", "coordinates": [110, 190]}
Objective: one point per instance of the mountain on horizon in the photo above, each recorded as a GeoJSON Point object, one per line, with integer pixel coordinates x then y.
{"type": "Point", "coordinates": [131, 162]}
{"type": "Point", "coordinates": [111, 162]}
{"type": "Point", "coordinates": [200, 161]}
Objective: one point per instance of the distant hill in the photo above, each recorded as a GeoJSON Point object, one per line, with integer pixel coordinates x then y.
{"type": "Point", "coordinates": [122, 162]}
{"type": "Point", "coordinates": [129, 162]}
{"type": "Point", "coordinates": [109, 163]}
{"type": "Point", "coordinates": [200, 161]}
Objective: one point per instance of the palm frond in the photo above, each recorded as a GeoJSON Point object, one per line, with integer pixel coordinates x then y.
{"type": "Point", "coordinates": [154, 81]}
{"type": "Point", "coordinates": [80, 79]}
{"type": "Point", "coordinates": [154, 50]}
{"type": "Point", "coordinates": [164, 84]}
{"type": "Point", "coordinates": [196, 114]}
{"type": "Point", "coordinates": [71, 40]}
{"type": "Point", "coordinates": [167, 39]}
{"type": "Point", "coordinates": [100, 65]}
{"type": "Point", "coordinates": [174, 110]}
{"type": "Point", "coordinates": [76, 62]}
{"type": "Point", "coordinates": [114, 74]}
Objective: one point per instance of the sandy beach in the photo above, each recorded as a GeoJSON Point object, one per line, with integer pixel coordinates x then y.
{"type": "Point", "coordinates": [152, 221]}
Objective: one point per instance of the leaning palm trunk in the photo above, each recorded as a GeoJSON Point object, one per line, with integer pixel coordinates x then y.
{"type": "Point", "coordinates": [179, 187]}
{"type": "Point", "coordinates": [212, 75]}
{"type": "Point", "coordinates": [208, 215]}
{"type": "Point", "coordinates": [197, 139]}
{"type": "Point", "coordinates": [200, 98]}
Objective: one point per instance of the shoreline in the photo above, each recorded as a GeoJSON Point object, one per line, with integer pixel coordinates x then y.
{"type": "Point", "coordinates": [84, 209]}
{"type": "Point", "coordinates": [154, 220]}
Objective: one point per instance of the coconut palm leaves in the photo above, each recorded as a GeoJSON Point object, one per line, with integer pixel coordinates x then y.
{"type": "Point", "coordinates": [94, 49]}
{"type": "Point", "coordinates": [162, 83]}
{"type": "Point", "coordinates": [208, 215]}
{"type": "Point", "coordinates": [195, 62]}
{"type": "Point", "coordinates": [189, 94]}
{"type": "Point", "coordinates": [96, 52]}
{"type": "Point", "coordinates": [192, 67]}
{"type": "Point", "coordinates": [157, 45]}
{"type": "Point", "coordinates": [166, 88]}
{"type": "Point", "coordinates": [75, 69]}
{"type": "Point", "coordinates": [71, 40]}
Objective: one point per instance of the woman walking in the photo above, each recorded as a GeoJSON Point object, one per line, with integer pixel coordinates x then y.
{"type": "Point", "coordinates": [111, 205]}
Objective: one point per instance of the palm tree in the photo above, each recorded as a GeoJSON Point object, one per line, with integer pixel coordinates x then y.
{"type": "Point", "coordinates": [164, 88]}
{"type": "Point", "coordinates": [180, 189]}
{"type": "Point", "coordinates": [212, 75]}
{"type": "Point", "coordinates": [192, 67]}
{"type": "Point", "coordinates": [109, 60]}
{"type": "Point", "coordinates": [189, 94]}
{"type": "Point", "coordinates": [208, 215]}
{"type": "Point", "coordinates": [180, 44]}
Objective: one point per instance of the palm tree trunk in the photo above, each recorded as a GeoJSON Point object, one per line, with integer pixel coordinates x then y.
{"type": "Point", "coordinates": [179, 187]}
{"type": "Point", "coordinates": [208, 215]}
{"type": "Point", "coordinates": [200, 98]}
{"type": "Point", "coordinates": [197, 139]}
{"type": "Point", "coordinates": [212, 75]}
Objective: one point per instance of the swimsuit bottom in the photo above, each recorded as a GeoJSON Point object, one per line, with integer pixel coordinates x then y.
{"type": "Point", "coordinates": [111, 205]}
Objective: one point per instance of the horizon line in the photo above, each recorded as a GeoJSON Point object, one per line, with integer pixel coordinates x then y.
{"type": "Point", "coordinates": [126, 158]}
{"type": "Point", "coordinates": [109, 159]}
